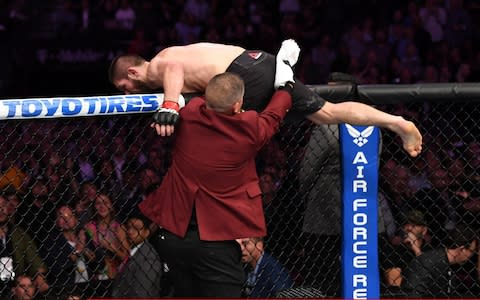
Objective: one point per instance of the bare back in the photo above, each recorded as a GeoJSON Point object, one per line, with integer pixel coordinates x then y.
{"type": "Point", "coordinates": [200, 62]}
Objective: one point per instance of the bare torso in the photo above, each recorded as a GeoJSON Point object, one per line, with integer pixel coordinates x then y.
{"type": "Point", "coordinates": [200, 63]}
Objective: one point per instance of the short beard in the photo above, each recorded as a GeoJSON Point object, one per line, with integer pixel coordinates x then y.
{"type": "Point", "coordinates": [140, 86]}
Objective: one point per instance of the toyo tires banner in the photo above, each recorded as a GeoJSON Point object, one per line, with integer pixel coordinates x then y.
{"type": "Point", "coordinates": [69, 107]}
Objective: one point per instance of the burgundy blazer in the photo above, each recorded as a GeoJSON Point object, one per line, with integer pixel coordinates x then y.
{"type": "Point", "coordinates": [213, 167]}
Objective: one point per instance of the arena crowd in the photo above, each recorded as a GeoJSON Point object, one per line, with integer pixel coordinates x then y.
{"type": "Point", "coordinates": [70, 187]}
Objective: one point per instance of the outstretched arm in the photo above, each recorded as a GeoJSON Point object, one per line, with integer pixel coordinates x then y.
{"type": "Point", "coordinates": [173, 80]}
{"type": "Point", "coordinates": [361, 114]}
{"type": "Point", "coordinates": [173, 77]}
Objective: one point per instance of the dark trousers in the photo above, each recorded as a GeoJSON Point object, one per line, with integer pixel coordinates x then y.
{"type": "Point", "coordinates": [200, 268]}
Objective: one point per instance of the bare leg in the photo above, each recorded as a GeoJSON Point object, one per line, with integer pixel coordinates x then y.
{"type": "Point", "coordinates": [360, 114]}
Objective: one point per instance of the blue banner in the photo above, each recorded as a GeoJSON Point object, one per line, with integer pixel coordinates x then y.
{"type": "Point", "coordinates": [360, 273]}
{"type": "Point", "coordinates": [69, 107]}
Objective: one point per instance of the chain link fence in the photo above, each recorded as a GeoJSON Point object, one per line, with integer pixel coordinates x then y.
{"type": "Point", "coordinates": [70, 186]}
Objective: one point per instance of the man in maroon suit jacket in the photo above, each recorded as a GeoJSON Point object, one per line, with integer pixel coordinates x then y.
{"type": "Point", "coordinates": [211, 196]}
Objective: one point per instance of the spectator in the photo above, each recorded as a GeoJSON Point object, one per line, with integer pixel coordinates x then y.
{"type": "Point", "coordinates": [411, 17]}
{"type": "Point", "coordinates": [320, 178]}
{"type": "Point", "coordinates": [167, 13]}
{"type": "Point", "coordinates": [140, 43]}
{"type": "Point", "coordinates": [430, 274]}
{"type": "Point", "coordinates": [383, 50]}
{"type": "Point", "coordinates": [125, 16]}
{"type": "Point", "coordinates": [84, 167]}
{"type": "Point", "coordinates": [437, 203]}
{"type": "Point", "coordinates": [87, 17]}
{"type": "Point", "coordinates": [106, 180]}
{"type": "Point", "coordinates": [135, 153]}
{"type": "Point", "coordinates": [66, 21]}
{"type": "Point", "coordinates": [355, 42]}
{"type": "Point", "coordinates": [445, 74]}
{"type": "Point", "coordinates": [464, 73]}
{"type": "Point", "coordinates": [398, 191]}
{"type": "Point", "coordinates": [149, 180]}
{"type": "Point", "coordinates": [323, 56]}
{"type": "Point", "coordinates": [145, 20]}
{"type": "Point", "coordinates": [267, 185]}
{"type": "Point", "coordinates": [67, 255]}
{"type": "Point", "coordinates": [411, 241]}
{"type": "Point", "coordinates": [411, 60]}
{"type": "Point", "coordinates": [162, 39]}
{"type": "Point", "coordinates": [266, 276]}
{"type": "Point", "coordinates": [109, 241]}
{"type": "Point", "coordinates": [140, 274]}
{"type": "Point", "coordinates": [119, 157]}
{"type": "Point", "coordinates": [130, 193]}
{"type": "Point", "coordinates": [289, 7]}
{"type": "Point", "coordinates": [158, 160]}
{"type": "Point", "coordinates": [459, 24]}
{"type": "Point", "coordinates": [430, 74]}
{"type": "Point", "coordinates": [84, 205]}
{"type": "Point", "coordinates": [198, 9]}
{"type": "Point", "coordinates": [188, 29]}
{"type": "Point", "coordinates": [310, 29]}
{"type": "Point", "coordinates": [396, 27]}
{"type": "Point", "coordinates": [434, 18]}
{"type": "Point", "coordinates": [371, 71]}
{"type": "Point", "coordinates": [13, 200]}
{"type": "Point", "coordinates": [37, 211]}
{"type": "Point", "coordinates": [108, 15]}
{"type": "Point", "coordinates": [24, 289]}
{"type": "Point", "coordinates": [19, 254]}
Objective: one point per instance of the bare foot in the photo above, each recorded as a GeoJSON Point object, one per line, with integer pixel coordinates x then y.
{"type": "Point", "coordinates": [411, 137]}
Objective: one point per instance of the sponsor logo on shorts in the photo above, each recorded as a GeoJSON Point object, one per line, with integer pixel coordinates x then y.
{"type": "Point", "coordinates": [255, 55]}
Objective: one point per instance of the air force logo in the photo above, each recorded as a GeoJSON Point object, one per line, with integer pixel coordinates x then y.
{"type": "Point", "coordinates": [359, 138]}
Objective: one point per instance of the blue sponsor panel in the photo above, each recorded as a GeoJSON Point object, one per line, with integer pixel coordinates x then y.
{"type": "Point", "coordinates": [360, 274]}
{"type": "Point", "coordinates": [68, 107]}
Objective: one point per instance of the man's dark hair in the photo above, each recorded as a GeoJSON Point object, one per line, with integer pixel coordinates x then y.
{"type": "Point", "coordinates": [120, 64]}
{"type": "Point", "coordinates": [415, 217]}
{"type": "Point", "coordinates": [137, 214]}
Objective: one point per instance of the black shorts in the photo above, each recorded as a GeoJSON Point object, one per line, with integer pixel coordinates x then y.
{"type": "Point", "coordinates": [257, 69]}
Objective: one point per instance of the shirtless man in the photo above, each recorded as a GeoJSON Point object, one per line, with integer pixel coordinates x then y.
{"type": "Point", "coordinates": [187, 69]}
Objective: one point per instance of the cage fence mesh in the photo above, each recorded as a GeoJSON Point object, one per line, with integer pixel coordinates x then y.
{"type": "Point", "coordinates": [99, 168]}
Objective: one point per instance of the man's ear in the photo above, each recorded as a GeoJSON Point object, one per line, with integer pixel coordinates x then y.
{"type": "Point", "coordinates": [237, 107]}
{"type": "Point", "coordinates": [132, 73]}
{"type": "Point", "coordinates": [145, 233]}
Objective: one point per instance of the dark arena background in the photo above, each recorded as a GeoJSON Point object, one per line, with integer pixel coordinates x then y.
{"type": "Point", "coordinates": [62, 173]}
